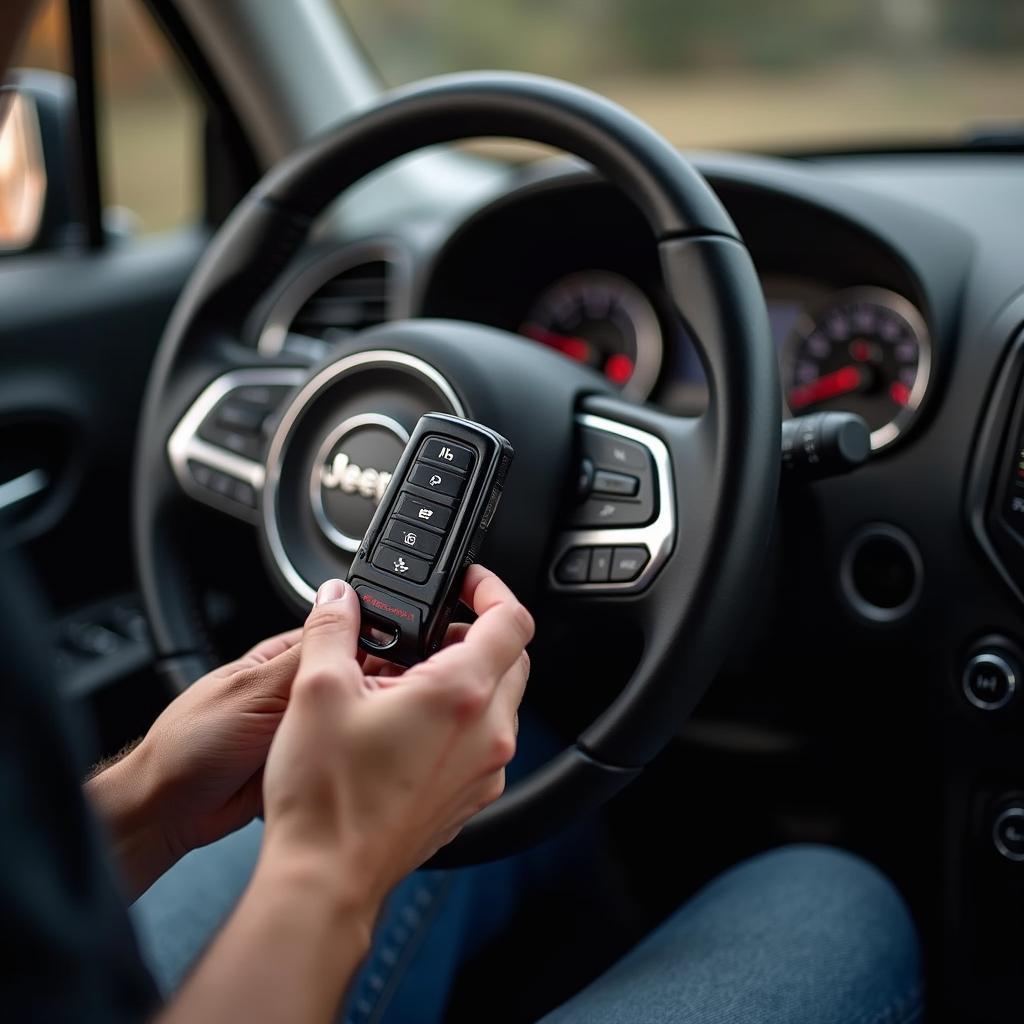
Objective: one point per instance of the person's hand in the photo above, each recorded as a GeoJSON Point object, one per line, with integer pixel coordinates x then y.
{"type": "Point", "coordinates": [197, 774]}
{"type": "Point", "coordinates": [373, 769]}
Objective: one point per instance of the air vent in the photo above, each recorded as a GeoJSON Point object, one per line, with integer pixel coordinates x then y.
{"type": "Point", "coordinates": [353, 300]}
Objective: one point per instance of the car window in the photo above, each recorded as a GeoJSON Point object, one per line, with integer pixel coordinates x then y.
{"type": "Point", "coordinates": [737, 73]}
{"type": "Point", "coordinates": [150, 116]}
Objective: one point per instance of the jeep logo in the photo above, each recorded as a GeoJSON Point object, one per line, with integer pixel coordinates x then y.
{"type": "Point", "coordinates": [344, 475]}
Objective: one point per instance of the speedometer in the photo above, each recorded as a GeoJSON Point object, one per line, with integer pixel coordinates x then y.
{"type": "Point", "coordinates": [867, 351]}
{"type": "Point", "coordinates": [605, 321]}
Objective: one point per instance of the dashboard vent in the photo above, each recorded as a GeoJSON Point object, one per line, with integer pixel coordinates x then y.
{"type": "Point", "coordinates": [355, 299]}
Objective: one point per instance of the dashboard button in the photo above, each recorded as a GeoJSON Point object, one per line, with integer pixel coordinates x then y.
{"type": "Point", "coordinates": [403, 535]}
{"type": "Point", "coordinates": [628, 563]}
{"type": "Point", "coordinates": [600, 565]}
{"type": "Point", "coordinates": [1008, 833]}
{"type": "Point", "coordinates": [990, 680]}
{"type": "Point", "coordinates": [619, 484]}
{"type": "Point", "coordinates": [442, 452]}
{"type": "Point", "coordinates": [402, 564]}
{"type": "Point", "coordinates": [435, 479]}
{"type": "Point", "coordinates": [574, 566]}
{"type": "Point", "coordinates": [423, 512]}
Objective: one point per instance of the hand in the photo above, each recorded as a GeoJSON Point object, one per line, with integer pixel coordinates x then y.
{"type": "Point", "coordinates": [197, 774]}
{"type": "Point", "coordinates": [372, 770]}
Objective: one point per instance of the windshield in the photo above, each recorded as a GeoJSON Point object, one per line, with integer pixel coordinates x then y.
{"type": "Point", "coordinates": [795, 74]}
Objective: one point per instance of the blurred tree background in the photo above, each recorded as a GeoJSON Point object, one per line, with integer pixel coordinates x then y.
{"type": "Point", "coordinates": [734, 72]}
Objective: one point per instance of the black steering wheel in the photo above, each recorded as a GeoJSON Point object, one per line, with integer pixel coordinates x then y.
{"type": "Point", "coordinates": [677, 560]}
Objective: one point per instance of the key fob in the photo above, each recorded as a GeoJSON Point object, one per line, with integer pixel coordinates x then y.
{"type": "Point", "coordinates": [426, 531]}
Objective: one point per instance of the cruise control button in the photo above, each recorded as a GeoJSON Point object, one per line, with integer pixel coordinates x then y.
{"type": "Point", "coordinates": [423, 512]}
{"type": "Point", "coordinates": [403, 564]}
{"type": "Point", "coordinates": [611, 512]}
{"type": "Point", "coordinates": [403, 535]}
{"type": "Point", "coordinates": [600, 565]}
{"type": "Point", "coordinates": [574, 566]}
{"type": "Point", "coordinates": [249, 446]}
{"type": "Point", "coordinates": [442, 452]}
{"type": "Point", "coordinates": [435, 479]}
{"type": "Point", "coordinates": [620, 484]}
{"type": "Point", "coordinates": [611, 452]}
{"type": "Point", "coordinates": [627, 564]}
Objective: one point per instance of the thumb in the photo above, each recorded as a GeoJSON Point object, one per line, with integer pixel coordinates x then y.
{"type": "Point", "coordinates": [329, 638]}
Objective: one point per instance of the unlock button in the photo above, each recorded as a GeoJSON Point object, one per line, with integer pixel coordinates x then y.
{"type": "Point", "coordinates": [413, 538]}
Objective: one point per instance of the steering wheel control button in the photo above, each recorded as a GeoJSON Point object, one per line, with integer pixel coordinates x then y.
{"type": "Point", "coordinates": [1008, 833]}
{"type": "Point", "coordinates": [990, 680]}
{"type": "Point", "coordinates": [618, 484]}
{"type": "Point", "coordinates": [423, 512]}
{"type": "Point", "coordinates": [402, 564]}
{"type": "Point", "coordinates": [440, 481]}
{"type": "Point", "coordinates": [442, 452]}
{"type": "Point", "coordinates": [601, 512]}
{"type": "Point", "coordinates": [406, 536]}
{"type": "Point", "coordinates": [222, 484]}
{"type": "Point", "coordinates": [248, 445]}
{"type": "Point", "coordinates": [628, 563]}
{"type": "Point", "coordinates": [615, 453]}
{"type": "Point", "coordinates": [574, 566]}
{"type": "Point", "coordinates": [600, 565]}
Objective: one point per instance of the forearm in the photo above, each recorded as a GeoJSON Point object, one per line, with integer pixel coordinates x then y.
{"type": "Point", "coordinates": [124, 798]}
{"type": "Point", "coordinates": [289, 950]}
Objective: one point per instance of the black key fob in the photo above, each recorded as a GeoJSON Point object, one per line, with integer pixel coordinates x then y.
{"type": "Point", "coordinates": [426, 531]}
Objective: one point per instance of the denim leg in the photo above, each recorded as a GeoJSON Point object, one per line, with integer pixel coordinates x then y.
{"type": "Point", "coordinates": [176, 918]}
{"type": "Point", "coordinates": [800, 935]}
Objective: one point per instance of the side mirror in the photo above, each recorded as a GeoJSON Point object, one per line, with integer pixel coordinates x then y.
{"type": "Point", "coordinates": [38, 162]}
{"type": "Point", "coordinates": [22, 174]}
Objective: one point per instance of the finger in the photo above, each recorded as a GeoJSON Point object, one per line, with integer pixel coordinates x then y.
{"type": "Point", "coordinates": [512, 688]}
{"type": "Point", "coordinates": [329, 638]}
{"type": "Point", "coordinates": [495, 640]}
{"type": "Point", "coordinates": [270, 648]}
{"type": "Point", "coordinates": [378, 669]}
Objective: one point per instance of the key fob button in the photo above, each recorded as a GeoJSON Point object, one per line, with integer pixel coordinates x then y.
{"type": "Point", "coordinates": [406, 536]}
{"type": "Point", "coordinates": [433, 478]}
{"type": "Point", "coordinates": [423, 512]}
{"type": "Point", "coordinates": [403, 564]}
{"type": "Point", "coordinates": [441, 452]}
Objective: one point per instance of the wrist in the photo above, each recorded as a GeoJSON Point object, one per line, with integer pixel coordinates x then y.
{"type": "Point", "coordinates": [125, 796]}
{"type": "Point", "coordinates": [335, 898]}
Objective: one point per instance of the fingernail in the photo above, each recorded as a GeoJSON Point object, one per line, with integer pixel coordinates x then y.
{"type": "Point", "coordinates": [331, 590]}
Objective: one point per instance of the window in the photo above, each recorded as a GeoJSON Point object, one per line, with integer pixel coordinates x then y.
{"type": "Point", "coordinates": [150, 121]}
{"type": "Point", "coordinates": [150, 118]}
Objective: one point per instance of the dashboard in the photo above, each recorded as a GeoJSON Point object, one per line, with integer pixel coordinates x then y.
{"type": "Point", "coordinates": [848, 337]}
{"type": "Point", "coordinates": [894, 289]}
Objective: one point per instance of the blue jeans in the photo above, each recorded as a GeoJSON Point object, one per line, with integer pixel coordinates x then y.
{"type": "Point", "coordinates": [800, 934]}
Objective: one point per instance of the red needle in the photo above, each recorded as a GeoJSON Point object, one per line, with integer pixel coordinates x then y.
{"type": "Point", "coordinates": [574, 348]}
{"type": "Point", "coordinates": [831, 385]}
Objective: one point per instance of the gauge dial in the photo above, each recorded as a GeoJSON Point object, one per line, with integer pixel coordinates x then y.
{"type": "Point", "coordinates": [866, 351]}
{"type": "Point", "coordinates": [604, 321]}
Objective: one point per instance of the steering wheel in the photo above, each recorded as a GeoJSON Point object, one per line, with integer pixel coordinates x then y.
{"type": "Point", "coordinates": [676, 558]}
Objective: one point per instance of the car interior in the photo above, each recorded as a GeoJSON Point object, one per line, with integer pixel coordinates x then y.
{"type": "Point", "coordinates": [744, 639]}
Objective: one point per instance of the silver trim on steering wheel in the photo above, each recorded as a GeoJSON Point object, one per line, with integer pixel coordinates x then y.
{"type": "Point", "coordinates": [298, 405]}
{"type": "Point", "coordinates": [185, 444]}
{"type": "Point", "coordinates": [658, 536]}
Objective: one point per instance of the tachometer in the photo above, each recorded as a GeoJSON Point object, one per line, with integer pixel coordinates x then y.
{"type": "Point", "coordinates": [867, 351]}
{"type": "Point", "coordinates": [605, 321]}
